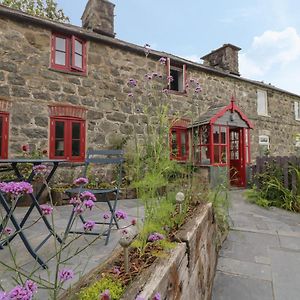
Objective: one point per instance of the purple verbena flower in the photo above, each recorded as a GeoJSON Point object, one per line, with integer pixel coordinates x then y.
{"type": "Point", "coordinates": [162, 60]}
{"type": "Point", "coordinates": [81, 181]}
{"type": "Point", "coordinates": [31, 286]}
{"type": "Point", "coordinates": [192, 80]}
{"type": "Point", "coordinates": [20, 293]}
{"type": "Point", "coordinates": [89, 204]}
{"type": "Point", "coordinates": [165, 91]}
{"type": "Point", "coordinates": [157, 296]}
{"type": "Point", "coordinates": [16, 188]}
{"type": "Point", "coordinates": [105, 295]}
{"type": "Point", "coordinates": [155, 237]}
{"type": "Point", "coordinates": [25, 148]}
{"type": "Point", "coordinates": [133, 222]}
{"type": "Point", "coordinates": [198, 89]}
{"type": "Point", "coordinates": [46, 209]}
{"type": "Point", "coordinates": [120, 214]}
{"type": "Point", "coordinates": [139, 297]}
{"type": "Point", "coordinates": [170, 78]}
{"type": "Point", "coordinates": [88, 196]}
{"type": "Point", "coordinates": [130, 94]}
{"type": "Point", "coordinates": [40, 170]}
{"type": "Point", "coordinates": [124, 231]}
{"type": "Point", "coordinates": [148, 76]}
{"type": "Point", "coordinates": [154, 74]}
{"type": "Point", "coordinates": [116, 270]}
{"type": "Point", "coordinates": [106, 216]}
{"type": "Point", "coordinates": [132, 83]}
{"type": "Point", "coordinates": [78, 209]}
{"type": "Point", "coordinates": [3, 295]}
{"type": "Point", "coordinates": [7, 231]}
{"type": "Point", "coordinates": [65, 274]}
{"type": "Point", "coordinates": [89, 225]}
{"type": "Point", "coordinates": [75, 200]}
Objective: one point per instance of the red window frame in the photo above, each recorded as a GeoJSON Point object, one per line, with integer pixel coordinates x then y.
{"type": "Point", "coordinates": [184, 77]}
{"type": "Point", "coordinates": [247, 146]}
{"type": "Point", "coordinates": [219, 145]}
{"type": "Point", "coordinates": [70, 53]}
{"type": "Point", "coordinates": [4, 135]}
{"type": "Point", "coordinates": [178, 131]}
{"type": "Point", "coordinates": [206, 146]}
{"type": "Point", "coordinates": [67, 138]}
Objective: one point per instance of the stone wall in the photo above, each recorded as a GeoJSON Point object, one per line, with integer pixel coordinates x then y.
{"type": "Point", "coordinates": [189, 270]}
{"type": "Point", "coordinates": [28, 82]}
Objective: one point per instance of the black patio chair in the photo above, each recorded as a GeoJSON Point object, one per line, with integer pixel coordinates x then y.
{"type": "Point", "coordinates": [104, 158]}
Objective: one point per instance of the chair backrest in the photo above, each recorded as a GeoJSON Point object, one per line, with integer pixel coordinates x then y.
{"type": "Point", "coordinates": [104, 157]}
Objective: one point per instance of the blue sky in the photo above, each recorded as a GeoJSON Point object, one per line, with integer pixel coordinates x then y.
{"type": "Point", "coordinates": [268, 31]}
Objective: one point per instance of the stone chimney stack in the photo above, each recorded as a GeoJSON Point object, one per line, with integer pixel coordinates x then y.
{"type": "Point", "coordinates": [224, 58]}
{"type": "Point", "coordinates": [98, 16]}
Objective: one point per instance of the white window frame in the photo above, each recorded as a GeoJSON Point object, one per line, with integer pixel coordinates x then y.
{"type": "Point", "coordinates": [262, 96]}
{"type": "Point", "coordinates": [297, 110]}
{"type": "Point", "coordinates": [181, 78]}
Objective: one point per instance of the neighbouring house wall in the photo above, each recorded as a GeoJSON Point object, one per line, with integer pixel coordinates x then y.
{"type": "Point", "coordinates": [27, 81]}
{"type": "Point", "coordinates": [189, 270]}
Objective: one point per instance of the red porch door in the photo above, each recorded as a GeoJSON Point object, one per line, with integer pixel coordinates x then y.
{"type": "Point", "coordinates": [237, 160]}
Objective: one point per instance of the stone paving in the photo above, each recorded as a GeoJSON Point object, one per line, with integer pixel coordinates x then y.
{"type": "Point", "coordinates": [82, 263]}
{"type": "Point", "coordinates": [260, 260]}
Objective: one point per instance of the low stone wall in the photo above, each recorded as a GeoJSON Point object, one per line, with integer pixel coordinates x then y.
{"type": "Point", "coordinates": [189, 270]}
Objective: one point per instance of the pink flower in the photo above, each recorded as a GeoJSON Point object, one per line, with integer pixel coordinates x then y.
{"type": "Point", "coordinates": [133, 222]}
{"type": "Point", "coordinates": [7, 231]}
{"type": "Point", "coordinates": [88, 196]}
{"type": "Point", "coordinates": [170, 78]}
{"type": "Point", "coordinates": [198, 89]}
{"type": "Point", "coordinates": [89, 225]}
{"type": "Point", "coordinates": [46, 209]}
{"type": "Point", "coordinates": [162, 60]}
{"type": "Point", "coordinates": [78, 209]}
{"type": "Point", "coordinates": [3, 295]}
{"type": "Point", "coordinates": [19, 293]}
{"type": "Point", "coordinates": [106, 216]}
{"type": "Point", "coordinates": [75, 200]}
{"type": "Point", "coordinates": [105, 295]}
{"type": "Point", "coordinates": [31, 286]}
{"type": "Point", "coordinates": [155, 237]}
{"type": "Point", "coordinates": [40, 169]}
{"type": "Point", "coordinates": [130, 94]}
{"type": "Point", "coordinates": [16, 188]}
{"type": "Point", "coordinates": [25, 148]}
{"type": "Point", "coordinates": [154, 74]}
{"type": "Point", "coordinates": [132, 83]}
{"type": "Point", "coordinates": [148, 76]}
{"type": "Point", "coordinates": [166, 91]}
{"type": "Point", "coordinates": [116, 270]}
{"type": "Point", "coordinates": [89, 204]}
{"type": "Point", "coordinates": [65, 274]}
{"type": "Point", "coordinates": [157, 296]}
{"type": "Point", "coordinates": [120, 214]}
{"type": "Point", "coordinates": [81, 181]}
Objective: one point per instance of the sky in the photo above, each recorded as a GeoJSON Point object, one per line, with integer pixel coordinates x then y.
{"type": "Point", "coordinates": [268, 31]}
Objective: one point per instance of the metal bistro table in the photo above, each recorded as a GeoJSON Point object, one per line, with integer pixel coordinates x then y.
{"type": "Point", "coordinates": [15, 165]}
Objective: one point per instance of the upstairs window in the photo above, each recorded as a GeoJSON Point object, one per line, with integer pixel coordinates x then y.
{"type": "Point", "coordinates": [68, 53]}
{"type": "Point", "coordinates": [176, 76]}
{"type": "Point", "coordinates": [297, 111]}
{"type": "Point", "coordinates": [262, 103]}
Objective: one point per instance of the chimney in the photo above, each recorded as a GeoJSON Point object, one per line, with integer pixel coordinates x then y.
{"type": "Point", "coordinates": [224, 58]}
{"type": "Point", "coordinates": [98, 16]}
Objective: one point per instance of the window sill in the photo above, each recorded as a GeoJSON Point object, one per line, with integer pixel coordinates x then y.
{"type": "Point", "coordinates": [84, 74]}
{"type": "Point", "coordinates": [267, 116]}
{"type": "Point", "coordinates": [177, 93]}
{"type": "Point", "coordinates": [297, 119]}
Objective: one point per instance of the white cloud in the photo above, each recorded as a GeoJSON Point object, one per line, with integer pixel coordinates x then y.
{"type": "Point", "coordinates": [274, 57]}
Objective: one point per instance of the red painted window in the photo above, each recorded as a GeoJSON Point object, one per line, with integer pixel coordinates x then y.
{"type": "Point", "coordinates": [67, 138]}
{"type": "Point", "coordinates": [179, 143]}
{"type": "Point", "coordinates": [203, 156]}
{"type": "Point", "coordinates": [68, 53]}
{"type": "Point", "coordinates": [220, 145]}
{"type": "Point", "coordinates": [4, 135]}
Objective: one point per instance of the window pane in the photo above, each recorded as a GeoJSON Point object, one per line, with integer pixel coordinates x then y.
{"type": "Point", "coordinates": [262, 103]}
{"type": "Point", "coordinates": [59, 130]}
{"type": "Point", "coordinates": [59, 148]}
{"type": "Point", "coordinates": [204, 135]}
{"type": "Point", "coordinates": [174, 143]}
{"type": "Point", "coordinates": [196, 154]}
{"type": "Point", "coordinates": [205, 155]}
{"type": "Point", "coordinates": [75, 148]}
{"type": "Point", "coordinates": [216, 134]}
{"type": "Point", "coordinates": [60, 44]}
{"type": "Point", "coordinates": [75, 131]}
{"type": "Point", "coordinates": [78, 47]}
{"type": "Point", "coordinates": [174, 83]}
{"type": "Point", "coordinates": [223, 135]}
{"type": "Point", "coordinates": [223, 154]}
{"type": "Point", "coordinates": [60, 58]}
{"type": "Point", "coordinates": [195, 136]}
{"type": "Point", "coordinates": [216, 154]}
{"type": "Point", "coordinates": [78, 61]}
{"type": "Point", "coordinates": [183, 143]}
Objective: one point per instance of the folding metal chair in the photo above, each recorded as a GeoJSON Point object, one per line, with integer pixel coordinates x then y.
{"type": "Point", "coordinates": [100, 157]}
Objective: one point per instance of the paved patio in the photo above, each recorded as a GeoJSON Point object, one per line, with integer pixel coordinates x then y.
{"type": "Point", "coordinates": [82, 263]}
{"type": "Point", "coordinates": [260, 260]}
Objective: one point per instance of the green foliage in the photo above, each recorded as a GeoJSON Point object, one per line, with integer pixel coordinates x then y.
{"type": "Point", "coordinates": [106, 283]}
{"type": "Point", "coordinates": [47, 9]}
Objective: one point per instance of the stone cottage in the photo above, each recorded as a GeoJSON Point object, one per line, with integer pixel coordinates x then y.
{"type": "Point", "coordinates": [65, 89]}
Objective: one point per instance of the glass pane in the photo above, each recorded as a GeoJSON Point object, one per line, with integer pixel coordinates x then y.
{"type": "Point", "coordinates": [262, 103]}
{"type": "Point", "coordinates": [183, 143]}
{"type": "Point", "coordinates": [195, 136]}
{"type": "Point", "coordinates": [75, 148]}
{"type": "Point", "coordinates": [196, 154]}
{"type": "Point", "coordinates": [59, 130]}
{"type": "Point", "coordinates": [174, 143]}
{"type": "Point", "coordinates": [78, 61]}
{"type": "Point", "coordinates": [216, 154]}
{"type": "Point", "coordinates": [205, 155]}
{"type": "Point", "coordinates": [78, 47]}
{"type": "Point", "coordinates": [247, 155]}
{"type": "Point", "coordinates": [204, 135]}
{"type": "Point", "coordinates": [60, 44]}
{"type": "Point", "coordinates": [59, 148]}
{"type": "Point", "coordinates": [223, 154]}
{"type": "Point", "coordinates": [223, 135]}
{"type": "Point", "coordinates": [216, 134]}
{"type": "Point", "coordinates": [76, 131]}
{"type": "Point", "coordinates": [246, 137]}
{"type": "Point", "coordinates": [60, 58]}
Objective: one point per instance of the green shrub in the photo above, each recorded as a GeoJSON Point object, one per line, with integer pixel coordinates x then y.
{"type": "Point", "coordinates": [106, 283]}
